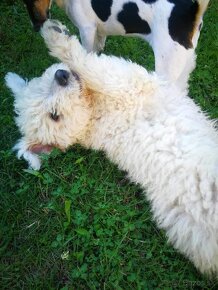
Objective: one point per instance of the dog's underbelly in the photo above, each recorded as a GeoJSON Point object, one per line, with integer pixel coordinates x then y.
{"type": "Point", "coordinates": [126, 18]}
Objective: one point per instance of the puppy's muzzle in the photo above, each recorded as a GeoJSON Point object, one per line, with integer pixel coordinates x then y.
{"type": "Point", "coordinates": [62, 77]}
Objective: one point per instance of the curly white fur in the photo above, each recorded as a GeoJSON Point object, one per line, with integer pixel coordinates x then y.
{"type": "Point", "coordinates": [148, 127]}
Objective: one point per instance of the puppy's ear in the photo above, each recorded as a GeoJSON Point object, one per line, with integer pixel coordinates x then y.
{"type": "Point", "coordinates": [15, 83]}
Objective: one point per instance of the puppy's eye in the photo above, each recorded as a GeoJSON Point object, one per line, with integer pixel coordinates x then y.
{"type": "Point", "coordinates": [54, 116]}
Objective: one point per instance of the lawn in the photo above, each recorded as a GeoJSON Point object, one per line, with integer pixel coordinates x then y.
{"type": "Point", "coordinates": [78, 223]}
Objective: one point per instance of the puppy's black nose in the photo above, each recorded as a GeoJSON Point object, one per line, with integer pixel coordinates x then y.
{"type": "Point", "coordinates": [62, 77]}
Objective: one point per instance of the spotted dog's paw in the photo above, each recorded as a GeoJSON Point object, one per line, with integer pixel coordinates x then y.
{"type": "Point", "coordinates": [53, 30]}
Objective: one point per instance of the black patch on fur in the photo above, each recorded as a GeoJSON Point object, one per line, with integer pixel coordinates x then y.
{"type": "Point", "coordinates": [131, 20]}
{"type": "Point", "coordinates": [182, 20]}
{"type": "Point", "coordinates": [149, 1]}
{"type": "Point", "coordinates": [102, 8]}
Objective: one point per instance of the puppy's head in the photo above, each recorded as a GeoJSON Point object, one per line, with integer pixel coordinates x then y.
{"type": "Point", "coordinates": [38, 11]}
{"type": "Point", "coordinates": [52, 111]}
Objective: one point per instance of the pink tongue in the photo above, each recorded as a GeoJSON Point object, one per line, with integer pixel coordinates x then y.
{"type": "Point", "coordinates": [39, 148]}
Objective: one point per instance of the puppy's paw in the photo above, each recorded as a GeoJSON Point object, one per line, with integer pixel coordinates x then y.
{"type": "Point", "coordinates": [60, 44]}
{"type": "Point", "coordinates": [54, 30]}
{"type": "Point", "coordinates": [59, 27]}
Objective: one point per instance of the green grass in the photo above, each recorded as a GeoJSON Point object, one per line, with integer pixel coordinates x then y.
{"type": "Point", "coordinates": [77, 224]}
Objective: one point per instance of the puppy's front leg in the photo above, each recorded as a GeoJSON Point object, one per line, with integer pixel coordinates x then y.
{"type": "Point", "coordinates": [62, 45]}
{"type": "Point", "coordinates": [69, 50]}
{"type": "Point", "coordinates": [104, 74]}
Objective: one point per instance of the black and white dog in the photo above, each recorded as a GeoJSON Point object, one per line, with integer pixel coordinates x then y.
{"type": "Point", "coordinates": [171, 27]}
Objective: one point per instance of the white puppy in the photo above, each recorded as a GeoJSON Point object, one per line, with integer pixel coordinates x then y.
{"type": "Point", "coordinates": [146, 126]}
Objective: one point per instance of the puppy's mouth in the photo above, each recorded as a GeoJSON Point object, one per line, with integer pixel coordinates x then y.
{"type": "Point", "coordinates": [46, 149]}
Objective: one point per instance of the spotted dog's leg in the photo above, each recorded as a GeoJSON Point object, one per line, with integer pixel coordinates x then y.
{"type": "Point", "coordinates": [173, 61]}
{"type": "Point", "coordinates": [105, 74]}
{"type": "Point", "coordinates": [100, 43]}
{"type": "Point", "coordinates": [182, 80]}
{"type": "Point", "coordinates": [88, 36]}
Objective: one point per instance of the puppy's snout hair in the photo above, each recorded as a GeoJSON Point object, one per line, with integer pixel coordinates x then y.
{"type": "Point", "coordinates": [62, 77]}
